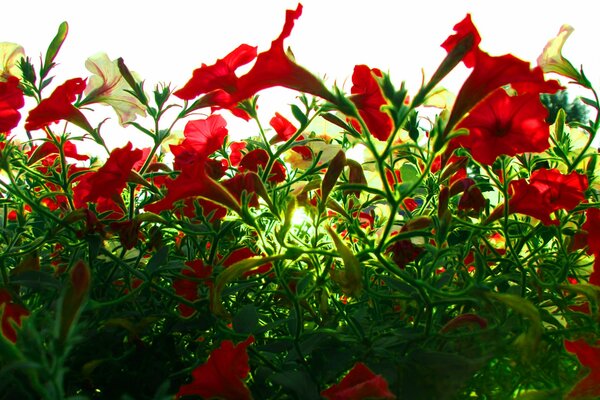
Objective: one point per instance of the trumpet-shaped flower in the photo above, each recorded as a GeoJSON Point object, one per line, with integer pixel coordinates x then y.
{"type": "Point", "coordinates": [110, 179]}
{"type": "Point", "coordinates": [10, 54]}
{"type": "Point", "coordinates": [463, 29]}
{"type": "Point", "coordinates": [222, 375]}
{"type": "Point", "coordinates": [503, 124]}
{"type": "Point", "coordinates": [552, 60]}
{"type": "Point", "coordinates": [273, 67]}
{"type": "Point", "coordinates": [59, 106]}
{"type": "Point", "coordinates": [108, 86]}
{"type": "Point", "coordinates": [369, 100]}
{"type": "Point", "coordinates": [359, 383]}
{"type": "Point", "coordinates": [546, 191]}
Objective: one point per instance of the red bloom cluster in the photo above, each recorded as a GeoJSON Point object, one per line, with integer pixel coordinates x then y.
{"type": "Point", "coordinates": [223, 374]}
{"type": "Point", "coordinates": [223, 88]}
{"type": "Point", "coordinates": [202, 138]}
{"type": "Point", "coordinates": [11, 100]}
{"type": "Point", "coordinates": [547, 191]}
{"type": "Point", "coordinates": [109, 181]}
{"type": "Point", "coordinates": [498, 123]}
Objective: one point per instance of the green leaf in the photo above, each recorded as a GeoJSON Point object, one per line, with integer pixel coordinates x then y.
{"type": "Point", "coordinates": [246, 320]}
{"type": "Point", "coordinates": [299, 115]}
{"type": "Point", "coordinates": [159, 259]}
{"type": "Point", "coordinates": [297, 382]}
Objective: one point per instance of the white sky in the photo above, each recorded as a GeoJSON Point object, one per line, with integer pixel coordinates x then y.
{"type": "Point", "coordinates": [164, 41]}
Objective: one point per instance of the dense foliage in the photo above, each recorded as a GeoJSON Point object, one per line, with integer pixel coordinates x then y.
{"type": "Point", "coordinates": [361, 247]}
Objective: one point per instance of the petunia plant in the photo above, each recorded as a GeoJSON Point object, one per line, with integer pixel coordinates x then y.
{"type": "Point", "coordinates": [359, 245]}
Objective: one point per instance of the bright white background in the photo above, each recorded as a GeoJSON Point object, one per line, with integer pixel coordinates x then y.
{"type": "Point", "coordinates": [165, 40]}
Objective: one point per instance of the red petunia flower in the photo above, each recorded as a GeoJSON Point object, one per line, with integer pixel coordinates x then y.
{"type": "Point", "coordinates": [110, 179]}
{"type": "Point", "coordinates": [360, 383]}
{"type": "Point", "coordinates": [546, 192]}
{"type": "Point", "coordinates": [11, 315]}
{"type": "Point", "coordinates": [236, 152]}
{"type": "Point", "coordinates": [272, 68]}
{"type": "Point", "coordinates": [259, 158]}
{"type": "Point", "coordinates": [220, 75]}
{"type": "Point", "coordinates": [463, 29]}
{"type": "Point", "coordinates": [368, 98]}
{"type": "Point", "coordinates": [503, 124]}
{"type": "Point", "coordinates": [11, 100]}
{"type": "Point", "coordinates": [202, 138]}
{"type": "Point", "coordinates": [59, 106]}
{"type": "Point", "coordinates": [188, 288]}
{"type": "Point", "coordinates": [223, 374]}
{"type": "Point", "coordinates": [490, 73]}
{"type": "Point", "coordinates": [589, 356]}
{"type": "Point", "coordinates": [284, 128]}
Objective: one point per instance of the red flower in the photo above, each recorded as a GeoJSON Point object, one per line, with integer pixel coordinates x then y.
{"type": "Point", "coordinates": [236, 152]}
{"type": "Point", "coordinates": [11, 314]}
{"type": "Point", "coordinates": [503, 124]}
{"type": "Point", "coordinates": [220, 75]}
{"type": "Point", "coordinates": [49, 148]}
{"type": "Point", "coordinates": [11, 99]}
{"type": "Point", "coordinates": [59, 107]}
{"type": "Point", "coordinates": [259, 158]}
{"type": "Point", "coordinates": [110, 179]}
{"type": "Point", "coordinates": [403, 252]}
{"type": "Point", "coordinates": [546, 192]}
{"type": "Point", "coordinates": [202, 138]}
{"type": "Point", "coordinates": [592, 227]}
{"type": "Point", "coordinates": [188, 288]}
{"type": "Point", "coordinates": [589, 356]}
{"type": "Point", "coordinates": [472, 198]}
{"type": "Point", "coordinates": [463, 29]}
{"type": "Point", "coordinates": [272, 68]}
{"type": "Point", "coordinates": [243, 254]}
{"type": "Point", "coordinates": [284, 128]}
{"type": "Point", "coordinates": [243, 183]}
{"type": "Point", "coordinates": [491, 73]}
{"type": "Point", "coordinates": [368, 98]}
{"type": "Point", "coordinates": [360, 383]}
{"type": "Point", "coordinates": [194, 182]}
{"type": "Point", "coordinates": [223, 374]}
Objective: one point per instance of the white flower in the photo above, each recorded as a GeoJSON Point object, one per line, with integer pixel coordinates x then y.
{"type": "Point", "coordinates": [10, 54]}
{"type": "Point", "coordinates": [552, 60]}
{"type": "Point", "coordinates": [108, 86]}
